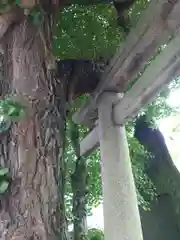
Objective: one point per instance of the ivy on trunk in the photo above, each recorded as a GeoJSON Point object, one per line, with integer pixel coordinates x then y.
{"type": "Point", "coordinates": [32, 148]}
{"type": "Point", "coordinates": [80, 193]}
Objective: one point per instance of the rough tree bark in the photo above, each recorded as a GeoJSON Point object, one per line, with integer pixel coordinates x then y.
{"type": "Point", "coordinates": [32, 149]}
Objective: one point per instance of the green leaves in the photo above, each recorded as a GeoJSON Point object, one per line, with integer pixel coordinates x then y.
{"type": "Point", "coordinates": [4, 180]}
{"type": "Point", "coordinates": [3, 186]}
{"type": "Point", "coordinates": [4, 125]}
{"type": "Point", "coordinates": [10, 111]}
{"type": "Point", "coordinates": [138, 7]}
{"type": "Point", "coordinates": [90, 32]}
{"type": "Point", "coordinates": [36, 16]}
{"type": "Point", "coordinates": [3, 171]}
{"type": "Point", "coordinates": [5, 5]}
{"type": "Point", "coordinates": [86, 32]}
{"type": "Point", "coordinates": [18, 2]}
{"type": "Point", "coordinates": [95, 234]}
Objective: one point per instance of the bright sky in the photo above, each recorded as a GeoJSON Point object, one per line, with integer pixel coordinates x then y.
{"type": "Point", "coordinates": [170, 127]}
{"type": "Point", "coordinates": [172, 137]}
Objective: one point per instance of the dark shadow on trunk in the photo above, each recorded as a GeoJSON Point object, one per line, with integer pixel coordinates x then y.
{"type": "Point", "coordinates": [81, 76]}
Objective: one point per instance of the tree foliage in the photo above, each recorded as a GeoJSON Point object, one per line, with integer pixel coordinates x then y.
{"type": "Point", "coordinates": [95, 234]}
{"type": "Point", "coordinates": [87, 32]}
{"type": "Point", "coordinates": [91, 37]}
{"type": "Point", "coordinates": [91, 32]}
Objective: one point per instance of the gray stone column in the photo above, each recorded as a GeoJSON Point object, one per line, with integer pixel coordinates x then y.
{"type": "Point", "coordinates": [121, 214]}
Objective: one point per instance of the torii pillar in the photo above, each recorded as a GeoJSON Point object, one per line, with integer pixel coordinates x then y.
{"type": "Point", "coordinates": [121, 213]}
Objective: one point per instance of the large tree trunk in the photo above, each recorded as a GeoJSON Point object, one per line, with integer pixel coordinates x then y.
{"type": "Point", "coordinates": [153, 140]}
{"type": "Point", "coordinates": [32, 149]}
{"type": "Point", "coordinates": [161, 168]}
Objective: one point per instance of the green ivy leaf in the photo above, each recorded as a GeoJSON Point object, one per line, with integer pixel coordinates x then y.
{"type": "Point", "coordinates": [37, 18]}
{"type": "Point", "coordinates": [4, 8]}
{"type": "Point", "coordinates": [4, 171]}
{"type": "Point", "coordinates": [12, 110]}
{"type": "Point", "coordinates": [4, 125]}
{"type": "Point", "coordinates": [3, 186]}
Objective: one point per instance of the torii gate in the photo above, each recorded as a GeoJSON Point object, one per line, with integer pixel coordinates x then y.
{"type": "Point", "coordinates": [159, 21]}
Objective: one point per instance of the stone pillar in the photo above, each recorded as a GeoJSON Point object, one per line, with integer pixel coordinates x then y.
{"type": "Point", "coordinates": [121, 214]}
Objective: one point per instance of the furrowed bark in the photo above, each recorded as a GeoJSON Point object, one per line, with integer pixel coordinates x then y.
{"type": "Point", "coordinates": [32, 149]}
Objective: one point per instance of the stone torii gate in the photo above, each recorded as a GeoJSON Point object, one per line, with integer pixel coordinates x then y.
{"type": "Point", "coordinates": [111, 110]}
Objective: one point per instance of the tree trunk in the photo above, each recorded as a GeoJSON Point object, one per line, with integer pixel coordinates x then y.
{"type": "Point", "coordinates": [79, 189]}
{"type": "Point", "coordinates": [161, 168]}
{"type": "Point", "coordinates": [153, 140]}
{"type": "Point", "coordinates": [32, 149]}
